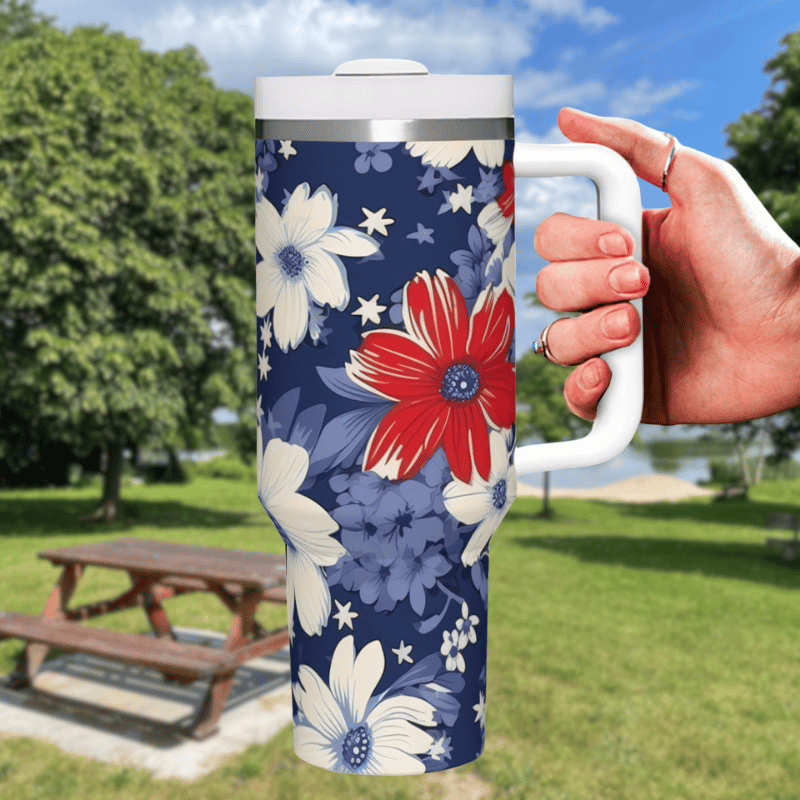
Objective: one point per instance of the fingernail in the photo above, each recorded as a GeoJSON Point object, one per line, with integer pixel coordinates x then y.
{"type": "Point", "coordinates": [616, 325]}
{"type": "Point", "coordinates": [590, 376]}
{"type": "Point", "coordinates": [628, 278]}
{"type": "Point", "coordinates": [614, 244]}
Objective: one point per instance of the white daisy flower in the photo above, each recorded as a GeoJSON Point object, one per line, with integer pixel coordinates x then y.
{"type": "Point", "coordinates": [342, 727]}
{"type": "Point", "coordinates": [508, 268]}
{"type": "Point", "coordinates": [300, 264]}
{"type": "Point", "coordinates": [483, 502]}
{"type": "Point", "coordinates": [466, 627]}
{"type": "Point", "coordinates": [452, 652]}
{"type": "Point", "coordinates": [494, 222]}
{"type": "Point", "coordinates": [448, 154]}
{"type": "Point", "coordinates": [306, 528]}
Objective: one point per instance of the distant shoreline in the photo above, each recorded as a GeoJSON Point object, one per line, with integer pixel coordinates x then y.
{"type": "Point", "coordinates": [640, 489]}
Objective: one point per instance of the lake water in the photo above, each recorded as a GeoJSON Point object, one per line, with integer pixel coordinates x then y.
{"type": "Point", "coordinates": [628, 464]}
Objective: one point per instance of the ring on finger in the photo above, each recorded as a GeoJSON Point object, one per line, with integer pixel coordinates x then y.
{"type": "Point", "coordinates": [670, 159]}
{"type": "Point", "coordinates": [541, 346]}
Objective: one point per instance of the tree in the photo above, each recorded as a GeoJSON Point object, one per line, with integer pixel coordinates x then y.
{"type": "Point", "coordinates": [126, 247]}
{"type": "Point", "coordinates": [766, 145]}
{"type": "Point", "coordinates": [18, 19]}
{"type": "Point", "coordinates": [543, 413]}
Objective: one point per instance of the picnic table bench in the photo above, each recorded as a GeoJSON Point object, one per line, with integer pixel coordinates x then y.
{"type": "Point", "coordinates": [789, 547]}
{"type": "Point", "coordinates": [158, 571]}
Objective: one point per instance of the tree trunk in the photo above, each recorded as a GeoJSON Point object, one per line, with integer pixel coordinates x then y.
{"type": "Point", "coordinates": [176, 472]}
{"type": "Point", "coordinates": [546, 494]}
{"type": "Point", "coordinates": [762, 452]}
{"type": "Point", "coordinates": [740, 449]}
{"type": "Point", "coordinates": [112, 479]}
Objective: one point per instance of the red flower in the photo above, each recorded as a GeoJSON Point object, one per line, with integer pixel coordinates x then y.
{"type": "Point", "coordinates": [506, 199]}
{"type": "Point", "coordinates": [449, 375]}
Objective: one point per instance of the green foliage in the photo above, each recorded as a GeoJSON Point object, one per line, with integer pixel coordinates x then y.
{"type": "Point", "coordinates": [766, 142]}
{"type": "Point", "coordinates": [18, 19]}
{"type": "Point", "coordinates": [729, 471]}
{"type": "Point", "coordinates": [228, 467]}
{"type": "Point", "coordinates": [542, 411]}
{"type": "Point", "coordinates": [126, 243]}
{"type": "Point", "coordinates": [766, 145]}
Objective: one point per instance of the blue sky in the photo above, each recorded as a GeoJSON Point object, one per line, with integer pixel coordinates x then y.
{"type": "Point", "coordinates": [689, 67]}
{"type": "Point", "coordinates": [685, 66]}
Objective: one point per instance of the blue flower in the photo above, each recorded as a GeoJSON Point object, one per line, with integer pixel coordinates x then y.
{"type": "Point", "coordinates": [373, 154]}
{"type": "Point", "coordinates": [385, 518]}
{"type": "Point", "coordinates": [369, 576]}
{"type": "Point", "coordinates": [472, 264]}
{"type": "Point", "coordinates": [433, 177]}
{"type": "Point", "coordinates": [265, 163]}
{"type": "Point", "coordinates": [363, 488]}
{"type": "Point", "coordinates": [489, 187]}
{"type": "Point", "coordinates": [411, 576]}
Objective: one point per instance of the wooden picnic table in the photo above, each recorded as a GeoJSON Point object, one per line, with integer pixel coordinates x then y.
{"type": "Point", "coordinates": [158, 571]}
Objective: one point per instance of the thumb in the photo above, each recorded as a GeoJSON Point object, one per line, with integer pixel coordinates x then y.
{"type": "Point", "coordinates": [645, 149]}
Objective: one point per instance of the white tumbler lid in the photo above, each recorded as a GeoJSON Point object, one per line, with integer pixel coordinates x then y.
{"type": "Point", "coordinates": [384, 89]}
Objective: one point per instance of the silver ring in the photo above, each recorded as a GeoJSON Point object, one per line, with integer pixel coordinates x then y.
{"type": "Point", "coordinates": [670, 159]}
{"type": "Point", "coordinates": [541, 347]}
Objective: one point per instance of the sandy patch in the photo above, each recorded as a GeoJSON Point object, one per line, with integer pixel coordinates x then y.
{"type": "Point", "coordinates": [657, 488]}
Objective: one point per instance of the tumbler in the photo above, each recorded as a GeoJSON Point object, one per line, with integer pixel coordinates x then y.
{"type": "Point", "coordinates": [385, 286]}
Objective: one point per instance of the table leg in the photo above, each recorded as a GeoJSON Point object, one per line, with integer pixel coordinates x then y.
{"type": "Point", "coordinates": [152, 606]}
{"type": "Point", "coordinates": [32, 657]}
{"type": "Point", "coordinates": [207, 721]}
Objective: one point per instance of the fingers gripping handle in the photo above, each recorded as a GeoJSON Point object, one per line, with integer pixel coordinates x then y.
{"type": "Point", "coordinates": [620, 409]}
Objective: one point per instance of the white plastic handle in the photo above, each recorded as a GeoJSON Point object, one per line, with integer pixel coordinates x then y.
{"type": "Point", "coordinates": [620, 409]}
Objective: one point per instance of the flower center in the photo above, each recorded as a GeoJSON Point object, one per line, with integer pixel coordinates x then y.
{"type": "Point", "coordinates": [291, 261]}
{"type": "Point", "coordinates": [402, 521]}
{"type": "Point", "coordinates": [460, 382]}
{"type": "Point", "coordinates": [499, 494]}
{"type": "Point", "coordinates": [356, 747]}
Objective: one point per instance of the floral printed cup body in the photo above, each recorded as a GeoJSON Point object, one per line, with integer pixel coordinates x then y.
{"type": "Point", "coordinates": [385, 283]}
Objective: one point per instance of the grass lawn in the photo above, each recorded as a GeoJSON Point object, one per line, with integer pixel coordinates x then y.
{"type": "Point", "coordinates": [639, 652]}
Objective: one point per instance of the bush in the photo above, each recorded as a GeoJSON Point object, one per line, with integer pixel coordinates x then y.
{"type": "Point", "coordinates": [729, 471]}
{"type": "Point", "coordinates": [228, 467]}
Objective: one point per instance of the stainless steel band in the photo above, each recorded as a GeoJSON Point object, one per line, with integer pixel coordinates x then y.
{"type": "Point", "coordinates": [385, 130]}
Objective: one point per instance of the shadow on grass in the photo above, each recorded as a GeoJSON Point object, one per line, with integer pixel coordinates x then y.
{"type": "Point", "coordinates": [748, 562]}
{"type": "Point", "coordinates": [733, 512]}
{"type": "Point", "coordinates": [48, 516]}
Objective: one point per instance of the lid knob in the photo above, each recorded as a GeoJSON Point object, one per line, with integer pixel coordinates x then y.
{"type": "Point", "coordinates": [381, 66]}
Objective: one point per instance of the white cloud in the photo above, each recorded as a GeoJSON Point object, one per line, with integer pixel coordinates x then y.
{"type": "Point", "coordinates": [306, 37]}
{"type": "Point", "coordinates": [641, 98]}
{"type": "Point", "coordinates": [538, 198]}
{"type": "Point", "coordinates": [314, 36]}
{"type": "Point", "coordinates": [536, 89]}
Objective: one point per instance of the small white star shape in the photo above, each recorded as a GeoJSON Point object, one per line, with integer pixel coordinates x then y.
{"type": "Point", "coordinates": [266, 334]}
{"type": "Point", "coordinates": [259, 410]}
{"type": "Point", "coordinates": [402, 652]}
{"type": "Point", "coordinates": [369, 310]}
{"type": "Point", "coordinates": [263, 366]}
{"type": "Point", "coordinates": [462, 199]}
{"type": "Point", "coordinates": [286, 149]}
{"type": "Point", "coordinates": [436, 750]}
{"type": "Point", "coordinates": [480, 710]}
{"type": "Point", "coordinates": [375, 221]}
{"type": "Point", "coordinates": [344, 616]}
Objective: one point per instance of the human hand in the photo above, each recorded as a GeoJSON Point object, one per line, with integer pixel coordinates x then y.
{"type": "Point", "coordinates": [722, 312]}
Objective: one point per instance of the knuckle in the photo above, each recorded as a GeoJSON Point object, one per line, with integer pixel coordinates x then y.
{"type": "Point", "coordinates": [545, 289]}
